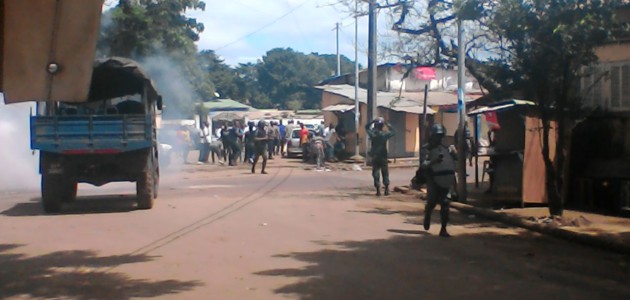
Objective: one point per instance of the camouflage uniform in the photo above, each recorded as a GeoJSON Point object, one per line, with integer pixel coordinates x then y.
{"type": "Point", "coordinates": [378, 152]}
{"type": "Point", "coordinates": [438, 162]}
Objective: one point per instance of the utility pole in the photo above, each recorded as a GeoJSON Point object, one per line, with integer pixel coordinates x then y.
{"type": "Point", "coordinates": [371, 97]}
{"type": "Point", "coordinates": [338, 55]}
{"type": "Point", "coordinates": [357, 112]}
{"type": "Point", "coordinates": [461, 108]}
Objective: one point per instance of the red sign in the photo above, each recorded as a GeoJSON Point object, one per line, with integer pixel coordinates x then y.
{"type": "Point", "coordinates": [424, 73]}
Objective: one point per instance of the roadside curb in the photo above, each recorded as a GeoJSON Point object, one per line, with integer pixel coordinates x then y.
{"type": "Point", "coordinates": [393, 166]}
{"type": "Point", "coordinates": [582, 238]}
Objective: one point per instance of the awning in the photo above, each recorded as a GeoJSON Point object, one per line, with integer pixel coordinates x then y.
{"type": "Point", "coordinates": [500, 106]}
{"type": "Point", "coordinates": [412, 109]}
{"type": "Point", "coordinates": [339, 107]}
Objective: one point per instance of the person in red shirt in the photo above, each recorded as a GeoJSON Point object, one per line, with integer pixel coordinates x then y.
{"type": "Point", "coordinates": [304, 141]}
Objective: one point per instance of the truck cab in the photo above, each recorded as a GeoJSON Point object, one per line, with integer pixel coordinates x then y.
{"type": "Point", "coordinates": [111, 137]}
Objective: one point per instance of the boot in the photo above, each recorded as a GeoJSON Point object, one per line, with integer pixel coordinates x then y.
{"type": "Point", "coordinates": [378, 191]}
{"type": "Point", "coordinates": [427, 219]}
{"type": "Point", "coordinates": [387, 190]}
{"type": "Point", "coordinates": [443, 232]}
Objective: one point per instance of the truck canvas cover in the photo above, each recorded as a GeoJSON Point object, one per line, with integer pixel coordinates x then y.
{"type": "Point", "coordinates": [39, 33]}
{"type": "Point", "coordinates": [117, 77]}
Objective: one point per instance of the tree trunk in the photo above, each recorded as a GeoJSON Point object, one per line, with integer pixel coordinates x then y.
{"type": "Point", "coordinates": [551, 182]}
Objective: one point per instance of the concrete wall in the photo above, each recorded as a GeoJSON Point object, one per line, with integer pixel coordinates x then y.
{"type": "Point", "coordinates": [614, 52]}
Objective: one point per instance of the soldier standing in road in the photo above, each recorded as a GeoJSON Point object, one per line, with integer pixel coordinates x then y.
{"type": "Point", "coordinates": [378, 152]}
{"type": "Point", "coordinates": [438, 161]}
{"type": "Point", "coordinates": [261, 142]}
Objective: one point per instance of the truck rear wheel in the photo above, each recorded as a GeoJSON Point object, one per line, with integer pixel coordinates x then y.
{"type": "Point", "coordinates": [52, 186]}
{"type": "Point", "coordinates": [146, 186]}
{"type": "Point", "coordinates": [69, 191]}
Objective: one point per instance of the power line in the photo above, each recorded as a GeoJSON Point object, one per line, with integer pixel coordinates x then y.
{"type": "Point", "coordinates": [262, 28]}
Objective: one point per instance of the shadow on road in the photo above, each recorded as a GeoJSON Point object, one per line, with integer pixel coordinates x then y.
{"type": "Point", "coordinates": [77, 275]}
{"type": "Point", "coordinates": [481, 264]}
{"type": "Point", "coordinates": [83, 205]}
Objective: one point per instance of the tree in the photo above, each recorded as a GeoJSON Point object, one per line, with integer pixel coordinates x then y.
{"type": "Point", "coordinates": [285, 73]}
{"type": "Point", "coordinates": [222, 76]}
{"type": "Point", "coordinates": [537, 50]}
{"type": "Point", "coordinates": [159, 35]}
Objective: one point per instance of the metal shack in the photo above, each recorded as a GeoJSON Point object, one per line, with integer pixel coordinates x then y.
{"type": "Point", "coordinates": [515, 156]}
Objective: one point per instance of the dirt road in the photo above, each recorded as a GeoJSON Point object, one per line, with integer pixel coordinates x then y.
{"type": "Point", "coordinates": [223, 233]}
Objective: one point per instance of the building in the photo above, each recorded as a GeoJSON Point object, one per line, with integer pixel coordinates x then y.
{"type": "Point", "coordinates": [599, 171]}
{"type": "Point", "coordinates": [400, 101]}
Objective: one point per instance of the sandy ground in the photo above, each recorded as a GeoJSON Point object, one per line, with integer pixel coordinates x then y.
{"type": "Point", "coordinates": [224, 233]}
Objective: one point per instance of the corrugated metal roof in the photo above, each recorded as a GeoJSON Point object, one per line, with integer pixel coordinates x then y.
{"type": "Point", "coordinates": [500, 106]}
{"type": "Point", "coordinates": [226, 104]}
{"type": "Point", "coordinates": [339, 107]}
{"type": "Point", "coordinates": [413, 109]}
{"type": "Point", "coordinates": [408, 102]}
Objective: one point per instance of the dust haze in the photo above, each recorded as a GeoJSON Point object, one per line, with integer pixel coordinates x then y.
{"type": "Point", "coordinates": [18, 165]}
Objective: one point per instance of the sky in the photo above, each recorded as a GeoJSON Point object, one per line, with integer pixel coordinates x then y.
{"type": "Point", "coordinates": [243, 31]}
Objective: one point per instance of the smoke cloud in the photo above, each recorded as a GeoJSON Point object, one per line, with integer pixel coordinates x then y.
{"type": "Point", "coordinates": [171, 84]}
{"type": "Point", "coordinates": [18, 165]}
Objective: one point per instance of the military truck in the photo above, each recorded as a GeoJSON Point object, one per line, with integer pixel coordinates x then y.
{"type": "Point", "coordinates": [110, 137]}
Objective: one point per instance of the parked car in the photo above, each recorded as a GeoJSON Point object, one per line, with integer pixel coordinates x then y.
{"type": "Point", "coordinates": [294, 149]}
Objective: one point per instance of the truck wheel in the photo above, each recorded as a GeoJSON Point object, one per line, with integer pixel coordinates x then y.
{"type": "Point", "coordinates": [156, 183]}
{"type": "Point", "coordinates": [69, 191]}
{"type": "Point", "coordinates": [51, 192]}
{"type": "Point", "coordinates": [145, 187]}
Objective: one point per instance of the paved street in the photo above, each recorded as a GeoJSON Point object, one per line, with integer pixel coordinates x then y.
{"type": "Point", "coordinates": [223, 233]}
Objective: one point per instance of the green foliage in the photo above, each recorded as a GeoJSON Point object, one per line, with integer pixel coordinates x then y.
{"type": "Point", "coordinates": [285, 74]}
{"type": "Point", "coordinates": [158, 34]}
{"type": "Point", "coordinates": [158, 30]}
{"type": "Point", "coordinates": [538, 49]}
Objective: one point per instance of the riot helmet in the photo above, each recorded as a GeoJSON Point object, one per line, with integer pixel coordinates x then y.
{"type": "Point", "coordinates": [438, 129]}
{"type": "Point", "coordinates": [378, 122]}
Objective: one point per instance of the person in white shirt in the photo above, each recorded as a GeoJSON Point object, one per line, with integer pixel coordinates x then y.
{"type": "Point", "coordinates": [205, 138]}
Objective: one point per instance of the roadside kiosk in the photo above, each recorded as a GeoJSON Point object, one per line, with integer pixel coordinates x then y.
{"type": "Point", "coordinates": [514, 159]}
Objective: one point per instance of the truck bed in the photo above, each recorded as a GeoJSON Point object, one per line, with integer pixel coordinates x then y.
{"type": "Point", "coordinates": [91, 134]}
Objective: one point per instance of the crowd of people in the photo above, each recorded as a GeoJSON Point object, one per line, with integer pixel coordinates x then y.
{"type": "Point", "coordinates": [233, 142]}
{"type": "Point", "coordinates": [264, 140]}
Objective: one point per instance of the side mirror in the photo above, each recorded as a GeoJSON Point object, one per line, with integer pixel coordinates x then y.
{"type": "Point", "coordinates": [160, 103]}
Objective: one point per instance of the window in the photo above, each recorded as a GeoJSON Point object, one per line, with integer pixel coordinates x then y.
{"type": "Point", "coordinates": [620, 86]}
{"type": "Point", "coordinates": [593, 87]}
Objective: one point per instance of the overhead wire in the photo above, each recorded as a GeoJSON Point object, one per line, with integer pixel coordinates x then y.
{"type": "Point", "coordinates": [262, 27]}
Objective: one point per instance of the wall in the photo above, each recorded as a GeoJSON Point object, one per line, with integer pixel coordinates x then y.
{"type": "Point", "coordinates": [533, 164]}
{"type": "Point", "coordinates": [412, 143]}
{"type": "Point", "coordinates": [614, 52]}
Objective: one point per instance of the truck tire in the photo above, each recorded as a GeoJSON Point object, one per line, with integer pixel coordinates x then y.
{"type": "Point", "coordinates": [146, 186]}
{"type": "Point", "coordinates": [156, 182]}
{"type": "Point", "coordinates": [69, 191]}
{"type": "Point", "coordinates": [52, 192]}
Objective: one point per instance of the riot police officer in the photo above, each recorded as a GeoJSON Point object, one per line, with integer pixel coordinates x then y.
{"type": "Point", "coordinates": [439, 165]}
{"type": "Point", "coordinates": [378, 152]}
{"type": "Point", "coordinates": [261, 140]}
